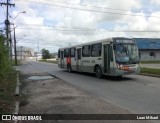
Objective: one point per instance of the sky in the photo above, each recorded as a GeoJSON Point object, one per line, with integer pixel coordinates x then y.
{"type": "Point", "coordinates": [52, 24]}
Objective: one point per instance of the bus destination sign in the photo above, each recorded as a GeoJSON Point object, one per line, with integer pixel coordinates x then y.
{"type": "Point", "coordinates": [124, 41]}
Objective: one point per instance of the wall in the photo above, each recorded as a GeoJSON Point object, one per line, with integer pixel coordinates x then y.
{"type": "Point", "coordinates": [146, 55]}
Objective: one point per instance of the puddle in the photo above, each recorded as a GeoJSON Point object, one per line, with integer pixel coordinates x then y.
{"type": "Point", "coordinates": [40, 77]}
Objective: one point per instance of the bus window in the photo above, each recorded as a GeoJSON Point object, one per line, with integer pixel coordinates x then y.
{"type": "Point", "coordinates": [86, 51]}
{"type": "Point", "coordinates": [66, 53]}
{"type": "Point", "coordinates": [61, 54]}
{"type": "Point", "coordinates": [58, 53]}
{"type": "Point", "coordinates": [96, 50]}
{"type": "Point", "coordinates": [72, 52]}
{"type": "Point", "coordinates": [79, 53]}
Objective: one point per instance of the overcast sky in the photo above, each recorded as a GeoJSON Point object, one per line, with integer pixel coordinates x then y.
{"type": "Point", "coordinates": [57, 23]}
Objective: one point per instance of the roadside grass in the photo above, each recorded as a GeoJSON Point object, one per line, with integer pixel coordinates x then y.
{"type": "Point", "coordinates": [150, 62]}
{"type": "Point", "coordinates": [49, 61]}
{"type": "Point", "coordinates": [7, 90]}
{"type": "Point", "coordinates": [150, 71]}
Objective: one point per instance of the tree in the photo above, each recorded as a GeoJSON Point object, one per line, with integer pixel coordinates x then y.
{"type": "Point", "coordinates": [45, 54]}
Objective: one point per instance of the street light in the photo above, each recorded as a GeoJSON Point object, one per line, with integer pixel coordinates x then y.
{"type": "Point", "coordinates": [17, 15]}
{"type": "Point", "coordinates": [15, 50]}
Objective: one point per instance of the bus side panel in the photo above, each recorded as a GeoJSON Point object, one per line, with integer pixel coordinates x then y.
{"type": "Point", "coordinates": [94, 62]}
{"type": "Point", "coordinates": [65, 63]}
{"type": "Point", "coordinates": [73, 63]}
{"type": "Point", "coordinates": [86, 64]}
{"type": "Point", "coordinates": [61, 60]}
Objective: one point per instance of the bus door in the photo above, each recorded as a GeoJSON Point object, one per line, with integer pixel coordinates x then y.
{"type": "Point", "coordinates": [106, 48]}
{"type": "Point", "coordinates": [78, 58]}
{"type": "Point", "coordinates": [62, 59]}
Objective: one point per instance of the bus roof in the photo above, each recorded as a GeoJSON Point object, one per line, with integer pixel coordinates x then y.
{"type": "Point", "coordinates": [93, 42]}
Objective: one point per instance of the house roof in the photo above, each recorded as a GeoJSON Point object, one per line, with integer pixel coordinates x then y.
{"type": "Point", "coordinates": [148, 43]}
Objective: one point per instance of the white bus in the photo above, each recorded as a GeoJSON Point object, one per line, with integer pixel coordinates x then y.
{"type": "Point", "coordinates": [114, 56]}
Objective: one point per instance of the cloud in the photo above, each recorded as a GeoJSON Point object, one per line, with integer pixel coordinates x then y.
{"type": "Point", "coordinates": [54, 26]}
{"type": "Point", "coordinates": [156, 2]}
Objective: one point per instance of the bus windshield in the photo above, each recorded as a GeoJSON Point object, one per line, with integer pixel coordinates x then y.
{"type": "Point", "coordinates": [126, 53]}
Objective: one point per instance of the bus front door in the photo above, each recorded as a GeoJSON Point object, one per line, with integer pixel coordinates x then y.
{"type": "Point", "coordinates": [106, 58]}
{"type": "Point", "coordinates": [78, 59]}
{"type": "Point", "coordinates": [61, 59]}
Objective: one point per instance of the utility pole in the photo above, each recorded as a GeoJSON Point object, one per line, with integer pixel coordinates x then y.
{"type": "Point", "coordinates": [7, 23]}
{"type": "Point", "coordinates": [15, 48]}
{"type": "Point", "coordinates": [10, 41]}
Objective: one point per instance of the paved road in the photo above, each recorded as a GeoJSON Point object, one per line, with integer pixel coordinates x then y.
{"type": "Point", "coordinates": [136, 93]}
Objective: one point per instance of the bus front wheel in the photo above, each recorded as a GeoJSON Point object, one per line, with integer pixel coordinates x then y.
{"type": "Point", "coordinates": [98, 72]}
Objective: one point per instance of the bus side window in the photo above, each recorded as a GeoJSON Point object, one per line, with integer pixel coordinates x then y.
{"type": "Point", "coordinates": [66, 53]}
{"type": "Point", "coordinates": [86, 51]}
{"type": "Point", "coordinates": [62, 54]}
{"type": "Point", "coordinates": [110, 53]}
{"type": "Point", "coordinates": [79, 53]}
{"type": "Point", "coordinates": [96, 50]}
{"type": "Point", "coordinates": [72, 50]}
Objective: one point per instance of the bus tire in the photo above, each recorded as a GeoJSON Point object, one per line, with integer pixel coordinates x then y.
{"type": "Point", "coordinates": [98, 71]}
{"type": "Point", "coordinates": [69, 68]}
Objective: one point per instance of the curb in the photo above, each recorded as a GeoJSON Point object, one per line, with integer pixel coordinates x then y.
{"type": "Point", "coordinates": [152, 75]}
{"type": "Point", "coordinates": [17, 94]}
{"type": "Point", "coordinates": [16, 107]}
{"type": "Point", "coordinates": [17, 86]}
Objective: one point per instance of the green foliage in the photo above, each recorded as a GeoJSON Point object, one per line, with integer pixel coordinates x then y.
{"type": "Point", "coordinates": [150, 71]}
{"type": "Point", "coordinates": [7, 79]}
{"type": "Point", "coordinates": [49, 61]}
{"type": "Point", "coordinates": [5, 62]}
{"type": "Point", "coordinates": [45, 54]}
{"type": "Point", "coordinates": [150, 62]}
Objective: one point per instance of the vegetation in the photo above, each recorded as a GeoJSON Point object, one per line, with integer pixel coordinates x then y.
{"type": "Point", "coordinates": [49, 61]}
{"type": "Point", "coordinates": [7, 78]}
{"type": "Point", "coordinates": [5, 61]}
{"type": "Point", "coordinates": [45, 54]}
{"type": "Point", "coordinates": [150, 62]}
{"type": "Point", "coordinates": [150, 71]}
{"type": "Point", "coordinates": [7, 98]}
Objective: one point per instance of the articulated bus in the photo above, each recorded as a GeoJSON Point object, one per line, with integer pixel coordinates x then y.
{"type": "Point", "coordinates": [116, 56]}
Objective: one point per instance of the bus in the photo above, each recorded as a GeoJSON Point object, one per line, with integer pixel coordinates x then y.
{"type": "Point", "coordinates": [116, 56]}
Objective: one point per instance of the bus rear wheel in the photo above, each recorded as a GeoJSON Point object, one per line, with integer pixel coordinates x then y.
{"type": "Point", "coordinates": [98, 72]}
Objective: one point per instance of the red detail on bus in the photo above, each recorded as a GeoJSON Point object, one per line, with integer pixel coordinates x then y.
{"type": "Point", "coordinates": [68, 60]}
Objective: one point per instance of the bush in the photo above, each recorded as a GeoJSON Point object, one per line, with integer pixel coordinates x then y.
{"type": "Point", "coordinates": [5, 61]}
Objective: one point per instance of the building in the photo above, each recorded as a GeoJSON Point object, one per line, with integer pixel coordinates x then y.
{"type": "Point", "coordinates": [149, 48]}
{"type": "Point", "coordinates": [24, 53]}
{"type": "Point", "coordinates": [38, 56]}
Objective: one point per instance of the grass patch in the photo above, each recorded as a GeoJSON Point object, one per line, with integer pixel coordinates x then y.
{"type": "Point", "coordinates": [150, 71]}
{"type": "Point", "coordinates": [7, 90]}
{"type": "Point", "coordinates": [49, 61]}
{"type": "Point", "coordinates": [150, 62]}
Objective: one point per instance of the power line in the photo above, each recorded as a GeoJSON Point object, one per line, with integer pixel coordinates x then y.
{"type": "Point", "coordinates": [94, 6]}
{"type": "Point", "coordinates": [23, 24]}
{"type": "Point", "coordinates": [58, 29]}
{"type": "Point", "coordinates": [108, 30]}
{"type": "Point", "coordinates": [89, 9]}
